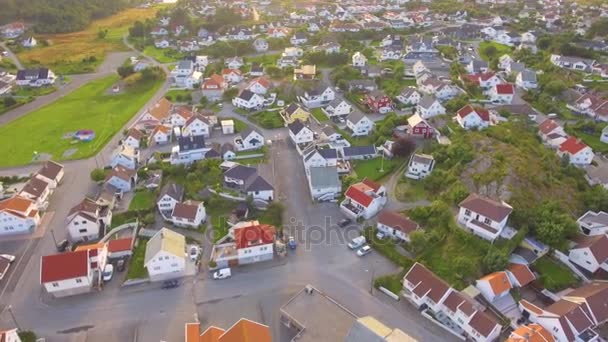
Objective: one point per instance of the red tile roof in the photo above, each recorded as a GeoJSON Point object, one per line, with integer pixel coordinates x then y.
{"type": "Point", "coordinates": [64, 266]}
{"type": "Point", "coordinates": [426, 283]}
{"type": "Point", "coordinates": [397, 221]}
{"type": "Point", "coordinates": [547, 126]}
{"type": "Point", "coordinates": [16, 204]}
{"type": "Point", "coordinates": [499, 282]}
{"type": "Point", "coordinates": [253, 235]}
{"type": "Point", "coordinates": [374, 185]}
{"type": "Point", "coordinates": [483, 323]}
{"type": "Point", "coordinates": [522, 273]}
{"type": "Point", "coordinates": [572, 145]}
{"type": "Point", "coordinates": [468, 109]}
{"type": "Point", "coordinates": [358, 196]}
{"type": "Point", "coordinates": [505, 89]}
{"type": "Point", "coordinates": [119, 245]}
{"type": "Point", "coordinates": [486, 207]}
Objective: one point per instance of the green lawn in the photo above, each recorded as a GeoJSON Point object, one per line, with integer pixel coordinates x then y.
{"type": "Point", "coordinates": [500, 50]}
{"type": "Point", "coordinates": [29, 91]}
{"type": "Point", "coordinates": [8, 65]}
{"type": "Point", "coordinates": [593, 140]}
{"type": "Point", "coordinates": [143, 199]}
{"type": "Point", "coordinates": [20, 102]}
{"type": "Point", "coordinates": [553, 276]}
{"type": "Point", "coordinates": [319, 114]}
{"type": "Point", "coordinates": [251, 161]}
{"type": "Point", "coordinates": [370, 168]}
{"type": "Point", "coordinates": [262, 150]}
{"type": "Point", "coordinates": [391, 282]}
{"type": "Point", "coordinates": [409, 190]}
{"type": "Point", "coordinates": [268, 120]}
{"type": "Point", "coordinates": [136, 265]}
{"type": "Point", "coordinates": [163, 55]}
{"type": "Point", "coordinates": [89, 107]}
{"type": "Point", "coordinates": [179, 95]}
{"type": "Point", "coordinates": [219, 210]}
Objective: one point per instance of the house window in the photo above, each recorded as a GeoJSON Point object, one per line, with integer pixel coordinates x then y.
{"type": "Point", "coordinates": [78, 281]}
{"type": "Point", "coordinates": [467, 212]}
{"type": "Point", "coordinates": [487, 221]}
{"type": "Point", "coordinates": [84, 230]}
{"type": "Point", "coordinates": [55, 284]}
{"type": "Point", "coordinates": [173, 265]}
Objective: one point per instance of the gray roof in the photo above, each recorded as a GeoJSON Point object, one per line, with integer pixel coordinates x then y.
{"type": "Point", "coordinates": [327, 153]}
{"type": "Point", "coordinates": [355, 116]}
{"type": "Point", "coordinates": [245, 133]}
{"type": "Point", "coordinates": [528, 76]}
{"type": "Point", "coordinates": [478, 64]}
{"type": "Point", "coordinates": [422, 158]}
{"type": "Point", "coordinates": [292, 108]}
{"type": "Point", "coordinates": [517, 67]}
{"type": "Point", "coordinates": [192, 142]}
{"type": "Point", "coordinates": [335, 102]}
{"type": "Point", "coordinates": [359, 150]}
{"type": "Point", "coordinates": [172, 190]}
{"type": "Point", "coordinates": [240, 172]}
{"type": "Point", "coordinates": [324, 177]}
{"type": "Point", "coordinates": [296, 127]}
{"type": "Point", "coordinates": [259, 184]}
{"type": "Point", "coordinates": [427, 101]}
{"type": "Point", "coordinates": [246, 94]}
{"type": "Point", "coordinates": [592, 218]}
{"type": "Point", "coordinates": [329, 130]}
{"type": "Point", "coordinates": [184, 64]}
{"type": "Point", "coordinates": [525, 253]}
{"type": "Point", "coordinates": [227, 147]}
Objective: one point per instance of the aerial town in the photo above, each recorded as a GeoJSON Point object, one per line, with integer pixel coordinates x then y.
{"type": "Point", "coordinates": [265, 170]}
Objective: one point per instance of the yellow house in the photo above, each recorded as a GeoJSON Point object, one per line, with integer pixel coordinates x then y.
{"type": "Point", "coordinates": [295, 112]}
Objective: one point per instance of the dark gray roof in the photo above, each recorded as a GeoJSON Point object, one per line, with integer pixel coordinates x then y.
{"type": "Point", "coordinates": [426, 101]}
{"type": "Point", "coordinates": [525, 253]}
{"type": "Point", "coordinates": [189, 143]}
{"type": "Point", "coordinates": [595, 218]}
{"type": "Point", "coordinates": [359, 150]}
{"type": "Point", "coordinates": [172, 190]}
{"type": "Point", "coordinates": [329, 130]}
{"type": "Point", "coordinates": [517, 67]}
{"type": "Point", "coordinates": [324, 177]}
{"type": "Point", "coordinates": [240, 172]}
{"type": "Point", "coordinates": [292, 108]}
{"type": "Point", "coordinates": [328, 153]}
{"type": "Point", "coordinates": [296, 126]}
{"type": "Point", "coordinates": [318, 90]}
{"type": "Point", "coordinates": [246, 94]}
{"type": "Point", "coordinates": [528, 76]}
{"type": "Point", "coordinates": [245, 133]}
{"type": "Point", "coordinates": [355, 116]}
{"type": "Point", "coordinates": [184, 64]}
{"type": "Point", "coordinates": [259, 184]}
{"type": "Point", "coordinates": [227, 147]}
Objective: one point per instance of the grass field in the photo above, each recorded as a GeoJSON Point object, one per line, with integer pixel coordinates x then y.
{"type": "Point", "coordinates": [89, 107]}
{"type": "Point", "coordinates": [66, 53]}
{"type": "Point", "coordinates": [144, 199]}
{"type": "Point", "coordinates": [136, 266]}
{"type": "Point", "coordinates": [500, 50]}
{"type": "Point", "coordinates": [553, 276]}
{"type": "Point", "coordinates": [163, 55]}
{"type": "Point", "coordinates": [268, 119]}
{"type": "Point", "coordinates": [319, 114]}
{"type": "Point", "coordinates": [371, 168]}
{"type": "Point", "coordinates": [20, 102]}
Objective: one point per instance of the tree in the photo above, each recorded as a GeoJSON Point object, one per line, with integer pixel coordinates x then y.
{"type": "Point", "coordinates": [456, 103]}
{"type": "Point", "coordinates": [137, 30]}
{"type": "Point", "coordinates": [596, 198]}
{"type": "Point", "coordinates": [490, 51]}
{"type": "Point", "coordinates": [403, 147]}
{"type": "Point", "coordinates": [495, 260]}
{"type": "Point", "coordinates": [98, 175]}
{"type": "Point", "coordinates": [554, 88]}
{"type": "Point", "coordinates": [230, 94]}
{"type": "Point", "coordinates": [125, 70]}
{"type": "Point", "coordinates": [551, 224]}
{"type": "Point", "coordinates": [203, 101]}
{"type": "Point", "coordinates": [9, 101]}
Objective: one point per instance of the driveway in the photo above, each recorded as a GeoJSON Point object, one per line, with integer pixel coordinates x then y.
{"type": "Point", "coordinates": [12, 56]}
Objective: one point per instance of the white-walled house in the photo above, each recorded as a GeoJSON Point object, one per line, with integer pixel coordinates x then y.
{"type": "Point", "coordinates": [359, 60]}
{"type": "Point", "coordinates": [395, 225]}
{"type": "Point", "coordinates": [359, 123]}
{"type": "Point", "coordinates": [249, 139]}
{"type": "Point", "coordinates": [319, 157]}
{"type": "Point", "coordinates": [337, 107]}
{"type": "Point", "coordinates": [86, 220]}
{"type": "Point", "coordinates": [248, 100]}
{"type": "Point", "coordinates": [364, 199]}
{"type": "Point", "coordinates": [578, 152]}
{"type": "Point", "coordinates": [324, 183]}
{"type": "Point", "coordinates": [429, 107]}
{"type": "Point", "coordinates": [494, 285]}
{"type": "Point", "coordinates": [189, 149]}
{"type": "Point", "coordinates": [501, 93]}
{"type": "Point", "coordinates": [420, 166]}
{"type": "Point", "coordinates": [122, 178]}
{"type": "Point", "coordinates": [483, 216]}
{"type": "Point", "coordinates": [125, 156]}
{"type": "Point", "coordinates": [526, 80]}
{"type": "Point", "coordinates": [133, 138]}
{"type": "Point", "coordinates": [593, 223]}
{"type": "Point", "coordinates": [251, 242]}
{"type": "Point", "coordinates": [169, 196]}
{"type": "Point", "coordinates": [18, 215]}
{"type": "Point", "coordinates": [35, 77]}
{"type": "Point", "coordinates": [52, 173]}
{"type": "Point", "coordinates": [188, 214]}
{"type": "Point", "coordinates": [160, 135]}
{"type": "Point", "coordinates": [165, 256]}
{"type": "Point", "coordinates": [299, 133]}
{"type": "Point", "coordinates": [69, 273]}
{"type": "Point", "coordinates": [318, 97]}
{"type": "Point", "coordinates": [196, 125]}
{"type": "Point", "coordinates": [590, 253]}
{"type": "Point", "coordinates": [410, 96]}
{"type": "Point", "coordinates": [604, 136]}
{"type": "Point", "coordinates": [37, 191]}
{"type": "Point", "coordinates": [469, 117]}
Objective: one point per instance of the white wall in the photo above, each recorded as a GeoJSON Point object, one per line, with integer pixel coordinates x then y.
{"type": "Point", "coordinates": [80, 228]}
{"type": "Point", "coordinates": [164, 263]}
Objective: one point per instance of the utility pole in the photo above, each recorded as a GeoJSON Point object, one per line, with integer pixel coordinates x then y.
{"type": "Point", "coordinates": [54, 240]}
{"type": "Point", "coordinates": [10, 311]}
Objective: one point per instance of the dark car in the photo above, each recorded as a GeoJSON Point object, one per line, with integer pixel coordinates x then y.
{"type": "Point", "coordinates": [63, 246]}
{"type": "Point", "coordinates": [120, 265]}
{"type": "Point", "coordinates": [344, 222]}
{"type": "Point", "coordinates": [169, 284]}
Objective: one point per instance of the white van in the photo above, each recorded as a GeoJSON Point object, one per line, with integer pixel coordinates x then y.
{"type": "Point", "coordinates": [552, 116]}
{"type": "Point", "coordinates": [357, 242]}
{"type": "Point", "coordinates": [222, 273]}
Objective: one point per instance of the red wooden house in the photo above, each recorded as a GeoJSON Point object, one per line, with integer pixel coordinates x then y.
{"type": "Point", "coordinates": [418, 127]}
{"type": "Point", "coordinates": [378, 102]}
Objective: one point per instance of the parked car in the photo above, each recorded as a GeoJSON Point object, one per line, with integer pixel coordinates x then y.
{"type": "Point", "coordinates": [194, 253]}
{"type": "Point", "coordinates": [380, 235]}
{"type": "Point", "coordinates": [63, 246]}
{"type": "Point", "coordinates": [222, 273]}
{"type": "Point", "coordinates": [108, 272]}
{"type": "Point", "coordinates": [120, 265]}
{"type": "Point", "coordinates": [8, 257]}
{"type": "Point", "coordinates": [356, 242]}
{"type": "Point", "coordinates": [344, 222]}
{"type": "Point", "coordinates": [292, 242]}
{"type": "Point", "coordinates": [364, 250]}
{"type": "Point", "coordinates": [170, 284]}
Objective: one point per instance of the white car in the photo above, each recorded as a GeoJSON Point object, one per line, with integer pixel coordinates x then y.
{"type": "Point", "coordinates": [194, 253]}
{"type": "Point", "coordinates": [8, 257]}
{"type": "Point", "coordinates": [364, 250]}
{"type": "Point", "coordinates": [222, 273]}
{"type": "Point", "coordinates": [108, 272]}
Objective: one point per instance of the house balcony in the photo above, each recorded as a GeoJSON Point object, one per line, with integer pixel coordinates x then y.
{"type": "Point", "coordinates": [351, 209]}
{"type": "Point", "coordinates": [225, 254]}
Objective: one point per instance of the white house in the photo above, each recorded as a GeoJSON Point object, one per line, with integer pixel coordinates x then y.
{"type": "Point", "coordinates": [249, 139]}
{"type": "Point", "coordinates": [395, 225]}
{"type": "Point", "coordinates": [232, 76]}
{"type": "Point", "coordinates": [188, 214]}
{"type": "Point", "coordinates": [252, 242]}
{"type": "Point", "coordinates": [18, 215]}
{"type": "Point", "coordinates": [359, 60]}
{"type": "Point", "coordinates": [122, 178]}
{"type": "Point", "coordinates": [337, 107]}
{"type": "Point", "coordinates": [469, 117]}
{"type": "Point", "coordinates": [318, 97]}
{"type": "Point", "coordinates": [324, 183]}
{"type": "Point", "coordinates": [604, 136]}
{"type": "Point", "coordinates": [319, 157]}
{"type": "Point", "coordinates": [69, 273]}
{"type": "Point", "coordinates": [248, 100]}
{"type": "Point", "coordinates": [420, 166]}
{"type": "Point", "coordinates": [364, 199]}
{"type": "Point", "coordinates": [189, 149]}
{"type": "Point", "coordinates": [429, 107]}
{"type": "Point", "coordinates": [410, 96]}
{"type": "Point", "coordinates": [298, 38]}
{"type": "Point", "coordinates": [483, 216]}
{"type": "Point", "coordinates": [169, 196]}
{"type": "Point", "coordinates": [259, 86]}
{"type": "Point", "coordinates": [161, 135]}
{"type": "Point", "coordinates": [196, 125]}
{"type": "Point", "coordinates": [125, 156]}
{"type": "Point", "coordinates": [260, 45]}
{"type": "Point", "coordinates": [526, 79]}
{"type": "Point", "coordinates": [165, 256]}
{"type": "Point", "coordinates": [37, 191]}
{"type": "Point", "coordinates": [484, 80]}
{"type": "Point", "coordinates": [35, 77]}
{"type": "Point", "coordinates": [359, 123]}
{"type": "Point", "coordinates": [593, 223]}
{"type": "Point", "coordinates": [299, 133]}
{"type": "Point", "coordinates": [86, 220]}
{"type": "Point", "coordinates": [494, 286]}
{"type": "Point", "coordinates": [502, 93]}
{"type": "Point", "coordinates": [30, 42]}
{"type": "Point", "coordinates": [578, 152]}
{"type": "Point", "coordinates": [10, 335]}
{"type": "Point", "coordinates": [247, 181]}
{"type": "Point", "coordinates": [133, 138]}
{"type": "Point", "coordinates": [52, 173]}
{"type": "Point", "coordinates": [590, 253]}
{"type": "Point", "coordinates": [573, 63]}
{"type": "Point", "coordinates": [234, 62]}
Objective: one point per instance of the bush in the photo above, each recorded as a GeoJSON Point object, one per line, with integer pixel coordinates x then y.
{"type": "Point", "coordinates": [212, 264]}
{"type": "Point", "coordinates": [98, 175]}
{"type": "Point", "coordinates": [9, 101]}
{"type": "Point", "coordinates": [27, 336]}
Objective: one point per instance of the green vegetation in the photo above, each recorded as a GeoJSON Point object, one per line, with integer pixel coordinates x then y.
{"type": "Point", "coordinates": [553, 276]}
{"type": "Point", "coordinates": [268, 119]}
{"type": "Point", "coordinates": [27, 336]}
{"type": "Point", "coordinates": [219, 209]}
{"type": "Point", "coordinates": [448, 51]}
{"type": "Point", "coordinates": [391, 282]}
{"type": "Point", "coordinates": [143, 199]}
{"type": "Point", "coordinates": [408, 190]}
{"type": "Point", "coordinates": [252, 161]}
{"type": "Point", "coordinates": [9, 103]}
{"type": "Point", "coordinates": [273, 215]}
{"type": "Point", "coordinates": [8, 65]}
{"type": "Point", "coordinates": [163, 55]}
{"type": "Point", "coordinates": [491, 52]}
{"type": "Point", "coordinates": [194, 178]}
{"type": "Point", "coordinates": [136, 265]}
{"type": "Point", "coordinates": [590, 132]}
{"type": "Point", "coordinates": [179, 95]}
{"type": "Point", "coordinates": [89, 107]}
{"type": "Point", "coordinates": [387, 248]}
{"type": "Point", "coordinates": [29, 91]}
{"type": "Point", "coordinates": [319, 114]}
{"type": "Point", "coordinates": [371, 168]}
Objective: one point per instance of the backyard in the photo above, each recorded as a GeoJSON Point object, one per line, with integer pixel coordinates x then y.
{"type": "Point", "coordinates": [162, 55]}
{"type": "Point", "coordinates": [219, 209]}
{"type": "Point", "coordinates": [50, 128]}
{"type": "Point", "coordinates": [143, 200]}
{"type": "Point", "coordinates": [268, 119]}
{"type": "Point", "coordinates": [370, 168]}
{"type": "Point", "coordinates": [553, 276]}
{"type": "Point", "coordinates": [82, 52]}
{"type": "Point", "coordinates": [136, 266]}
{"type": "Point", "coordinates": [319, 114]}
